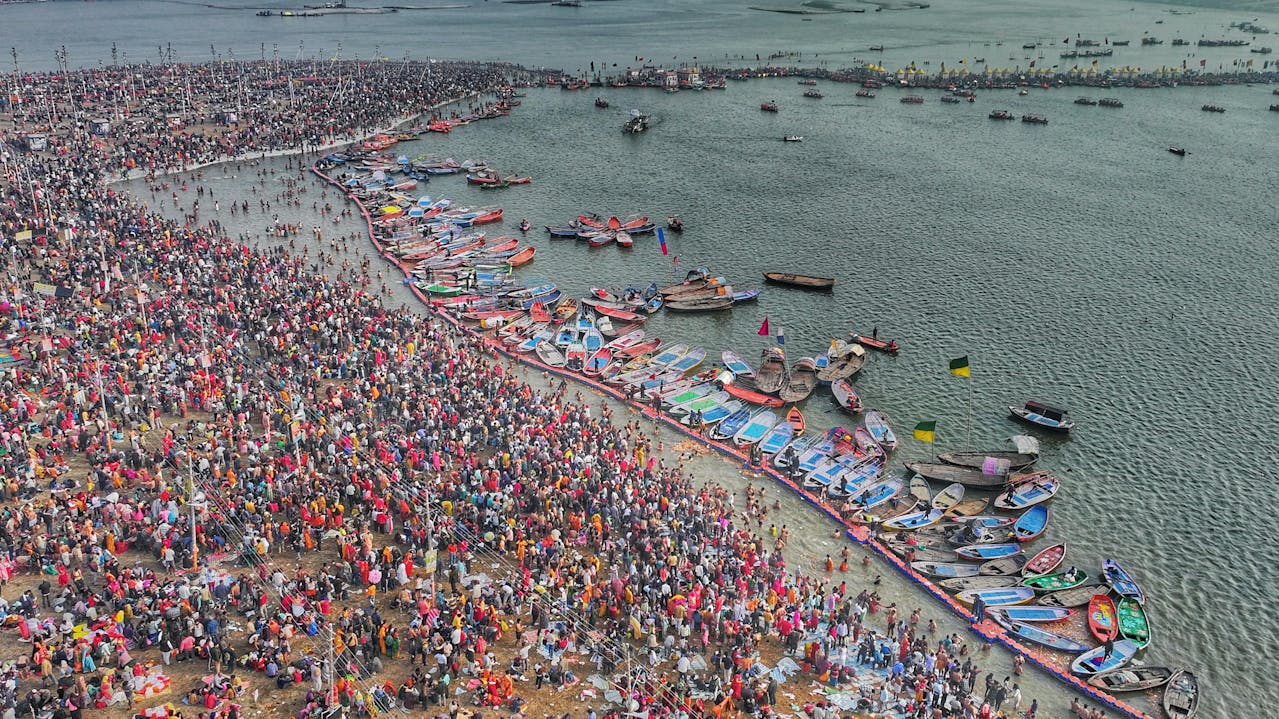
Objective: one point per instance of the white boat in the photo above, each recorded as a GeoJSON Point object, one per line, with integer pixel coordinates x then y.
{"type": "Point", "coordinates": [1095, 661]}
{"type": "Point", "coordinates": [877, 424]}
{"type": "Point", "coordinates": [735, 364]}
{"type": "Point", "coordinates": [760, 424]}
{"type": "Point", "coordinates": [914, 520]}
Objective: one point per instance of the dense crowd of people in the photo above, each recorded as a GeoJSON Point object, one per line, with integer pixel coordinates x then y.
{"type": "Point", "coordinates": [215, 453]}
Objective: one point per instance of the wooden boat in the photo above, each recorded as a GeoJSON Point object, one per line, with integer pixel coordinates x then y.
{"type": "Point", "coordinates": [914, 520]}
{"type": "Point", "coordinates": [973, 506]}
{"type": "Point", "coordinates": [1046, 560]}
{"type": "Point", "coordinates": [964, 583]}
{"type": "Point", "coordinates": [983, 552]}
{"type": "Point", "coordinates": [1034, 634]}
{"type": "Point", "coordinates": [1028, 490]}
{"type": "Point", "coordinates": [1006, 567]}
{"type": "Point", "coordinates": [1121, 581]}
{"type": "Point", "coordinates": [925, 554]}
{"type": "Point", "coordinates": [695, 279]}
{"type": "Point", "coordinates": [713, 304]}
{"type": "Point", "coordinates": [771, 375]}
{"type": "Point", "coordinates": [711, 288]}
{"type": "Point", "coordinates": [1103, 621]}
{"type": "Point", "coordinates": [997, 597]}
{"type": "Point", "coordinates": [846, 396]}
{"type": "Point", "coordinates": [873, 343]}
{"type": "Point", "coordinates": [877, 424]}
{"type": "Point", "coordinates": [1133, 623]}
{"type": "Point", "coordinates": [796, 420]}
{"type": "Point", "coordinates": [550, 354]}
{"type": "Point", "coordinates": [950, 473]}
{"type": "Point", "coordinates": [844, 365]}
{"type": "Point", "coordinates": [1181, 695]}
{"type": "Point", "coordinates": [948, 570]}
{"type": "Point", "coordinates": [1095, 661]}
{"type": "Point", "coordinates": [977, 460]}
{"type": "Point", "coordinates": [735, 364]}
{"type": "Point", "coordinates": [1077, 597]}
{"type": "Point", "coordinates": [1056, 582]}
{"type": "Point", "coordinates": [643, 348]}
{"type": "Point", "coordinates": [801, 381]}
{"type": "Point", "coordinates": [753, 397]}
{"type": "Point", "coordinates": [919, 489]}
{"type": "Point", "coordinates": [1132, 679]}
{"type": "Point", "coordinates": [564, 310]}
{"type": "Point", "coordinates": [1036, 613]}
{"type": "Point", "coordinates": [948, 497]}
{"type": "Point", "coordinates": [1041, 415]}
{"type": "Point", "coordinates": [1031, 524]}
{"type": "Point", "coordinates": [806, 282]}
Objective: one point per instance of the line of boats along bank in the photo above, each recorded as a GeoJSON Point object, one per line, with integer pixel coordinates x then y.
{"type": "Point", "coordinates": [969, 520]}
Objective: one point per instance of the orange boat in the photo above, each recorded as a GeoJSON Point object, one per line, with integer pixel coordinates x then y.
{"type": "Point", "coordinates": [523, 257]}
{"type": "Point", "coordinates": [539, 313]}
{"type": "Point", "coordinates": [753, 397]}
{"type": "Point", "coordinates": [486, 218]}
{"type": "Point", "coordinates": [796, 419]}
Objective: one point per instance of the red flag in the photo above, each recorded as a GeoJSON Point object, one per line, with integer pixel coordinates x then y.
{"type": "Point", "coordinates": [763, 329]}
{"type": "Point", "coordinates": [1203, 63]}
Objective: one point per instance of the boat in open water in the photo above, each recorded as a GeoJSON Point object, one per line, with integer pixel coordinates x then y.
{"type": "Point", "coordinates": [806, 282]}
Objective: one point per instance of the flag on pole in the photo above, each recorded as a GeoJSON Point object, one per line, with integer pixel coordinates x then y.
{"type": "Point", "coordinates": [781, 335]}
{"type": "Point", "coordinates": [925, 431]}
{"type": "Point", "coordinates": [959, 366]}
{"type": "Point", "coordinates": [661, 240]}
{"type": "Point", "coordinates": [763, 328]}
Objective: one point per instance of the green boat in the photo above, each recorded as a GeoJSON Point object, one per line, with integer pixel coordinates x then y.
{"type": "Point", "coordinates": [1132, 622]}
{"type": "Point", "coordinates": [701, 405]}
{"type": "Point", "coordinates": [443, 290]}
{"type": "Point", "coordinates": [1056, 582]}
{"type": "Point", "coordinates": [689, 395]}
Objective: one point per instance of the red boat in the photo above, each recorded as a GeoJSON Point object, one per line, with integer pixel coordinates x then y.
{"type": "Point", "coordinates": [488, 217]}
{"type": "Point", "coordinates": [1045, 561]}
{"type": "Point", "coordinates": [639, 349]}
{"type": "Point", "coordinates": [481, 180]}
{"type": "Point", "coordinates": [871, 343]}
{"type": "Point", "coordinates": [523, 257]}
{"type": "Point", "coordinates": [618, 314]}
{"type": "Point", "coordinates": [1103, 618]}
{"type": "Point", "coordinates": [768, 107]}
{"type": "Point", "coordinates": [519, 180]}
{"type": "Point", "coordinates": [753, 397]}
{"type": "Point", "coordinates": [538, 312]}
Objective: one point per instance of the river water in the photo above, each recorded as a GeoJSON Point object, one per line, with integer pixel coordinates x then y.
{"type": "Point", "coordinates": [1077, 263]}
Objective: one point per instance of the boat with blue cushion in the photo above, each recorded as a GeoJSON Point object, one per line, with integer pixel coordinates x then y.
{"type": "Point", "coordinates": [1031, 523]}
{"type": "Point", "coordinates": [1042, 415]}
{"type": "Point", "coordinates": [985, 552]}
{"type": "Point", "coordinates": [760, 424]}
{"type": "Point", "coordinates": [733, 424]}
{"type": "Point", "coordinates": [777, 439]}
